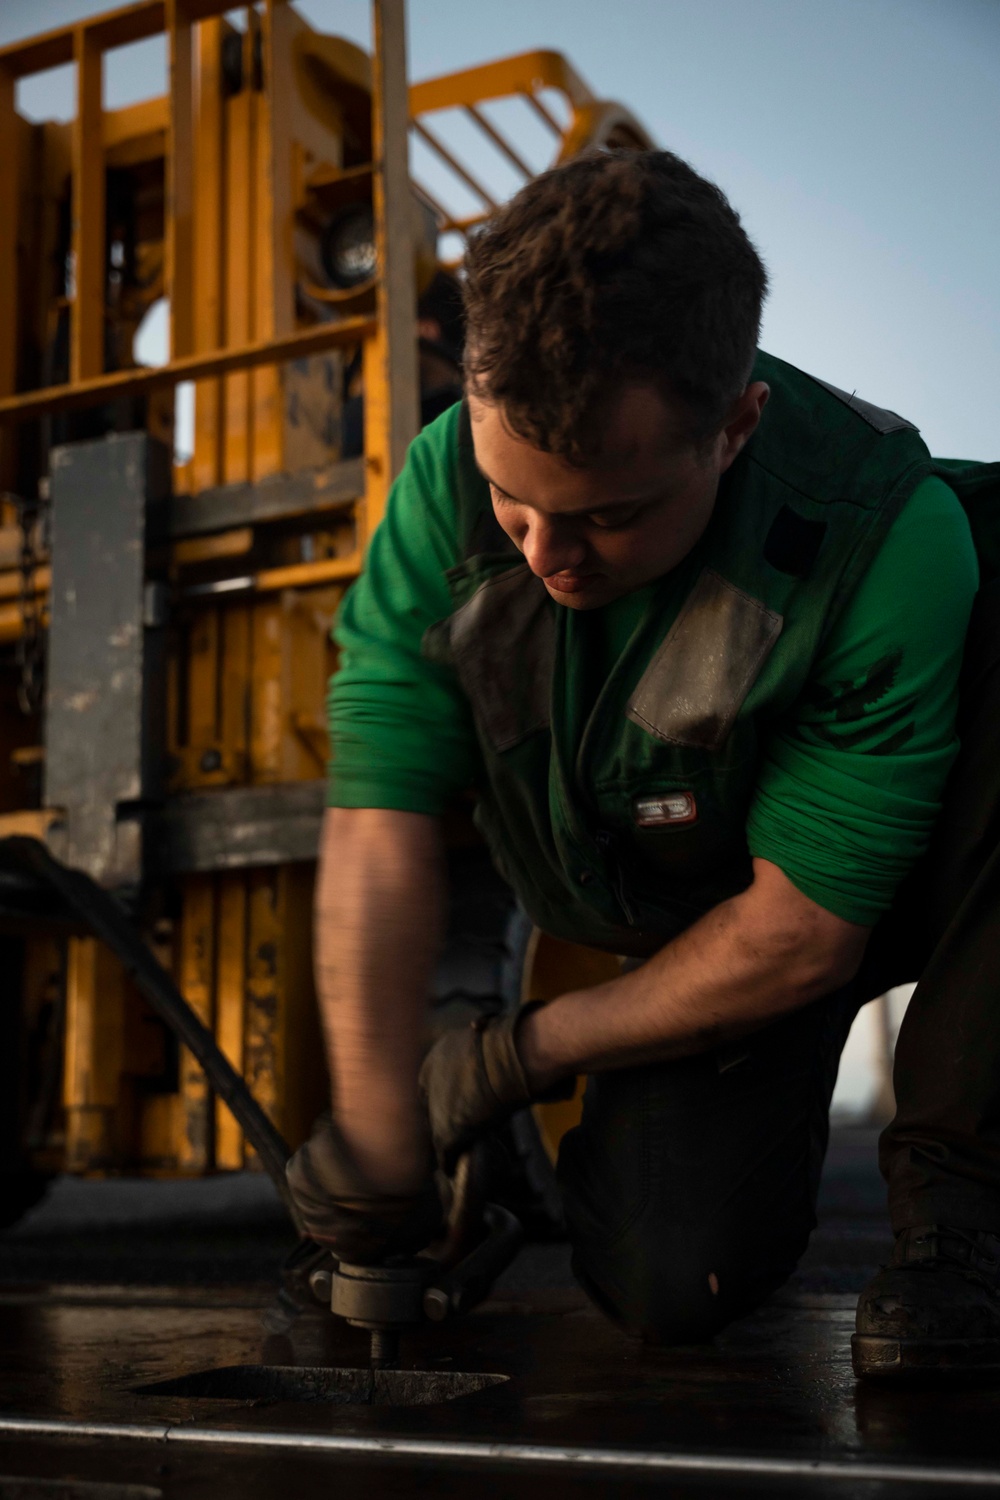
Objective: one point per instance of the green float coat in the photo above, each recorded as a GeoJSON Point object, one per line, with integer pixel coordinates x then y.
{"type": "Point", "coordinates": [790, 685]}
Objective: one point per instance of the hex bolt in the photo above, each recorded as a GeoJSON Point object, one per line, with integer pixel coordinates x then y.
{"type": "Point", "coordinates": [437, 1304]}
{"type": "Point", "coordinates": [321, 1285]}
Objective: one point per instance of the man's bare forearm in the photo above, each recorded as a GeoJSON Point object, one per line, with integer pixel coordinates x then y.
{"type": "Point", "coordinates": [380, 905]}
{"type": "Point", "coordinates": [744, 963]}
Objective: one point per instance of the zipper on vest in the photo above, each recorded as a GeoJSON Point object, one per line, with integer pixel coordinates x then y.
{"type": "Point", "coordinates": [608, 845]}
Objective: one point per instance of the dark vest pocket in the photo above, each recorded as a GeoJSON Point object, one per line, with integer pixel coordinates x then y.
{"type": "Point", "coordinates": [503, 649]}
{"type": "Point", "coordinates": [696, 684]}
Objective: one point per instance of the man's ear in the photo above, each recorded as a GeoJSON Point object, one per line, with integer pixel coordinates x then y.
{"type": "Point", "coordinates": [741, 424]}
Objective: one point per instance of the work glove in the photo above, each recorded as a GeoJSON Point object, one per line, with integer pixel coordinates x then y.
{"type": "Point", "coordinates": [342, 1210]}
{"type": "Point", "coordinates": [472, 1080]}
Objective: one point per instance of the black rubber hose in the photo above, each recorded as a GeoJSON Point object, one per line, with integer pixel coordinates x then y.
{"type": "Point", "coordinates": [103, 916]}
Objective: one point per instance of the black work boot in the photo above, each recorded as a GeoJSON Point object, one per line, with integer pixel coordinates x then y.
{"type": "Point", "coordinates": [935, 1308]}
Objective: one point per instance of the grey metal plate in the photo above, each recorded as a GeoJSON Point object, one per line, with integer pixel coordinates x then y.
{"type": "Point", "coordinates": [238, 828]}
{"type": "Point", "coordinates": [275, 499]}
{"type": "Point", "coordinates": [107, 497]}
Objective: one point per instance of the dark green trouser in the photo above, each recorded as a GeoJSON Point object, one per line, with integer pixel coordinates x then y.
{"type": "Point", "coordinates": [690, 1187]}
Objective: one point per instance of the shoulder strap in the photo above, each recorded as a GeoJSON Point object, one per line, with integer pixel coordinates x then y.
{"type": "Point", "coordinates": [878, 417]}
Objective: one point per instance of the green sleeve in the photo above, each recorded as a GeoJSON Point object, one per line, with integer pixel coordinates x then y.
{"type": "Point", "coordinates": [401, 736]}
{"type": "Point", "coordinates": [852, 783]}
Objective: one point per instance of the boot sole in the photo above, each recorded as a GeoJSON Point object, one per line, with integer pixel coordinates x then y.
{"type": "Point", "coordinates": [882, 1357]}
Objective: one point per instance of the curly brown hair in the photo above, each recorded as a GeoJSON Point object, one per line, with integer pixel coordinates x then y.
{"type": "Point", "coordinates": [621, 266]}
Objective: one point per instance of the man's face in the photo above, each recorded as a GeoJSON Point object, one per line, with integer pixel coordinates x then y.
{"type": "Point", "coordinates": [597, 533]}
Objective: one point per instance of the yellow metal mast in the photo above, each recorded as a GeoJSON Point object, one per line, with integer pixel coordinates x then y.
{"type": "Point", "coordinates": [268, 131]}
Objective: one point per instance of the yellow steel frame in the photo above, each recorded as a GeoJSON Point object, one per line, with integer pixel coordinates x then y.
{"type": "Point", "coordinates": [593, 122]}
{"type": "Point", "coordinates": [90, 390]}
{"type": "Point", "coordinates": [244, 172]}
{"type": "Point", "coordinates": [261, 133]}
{"type": "Point", "coordinates": [233, 322]}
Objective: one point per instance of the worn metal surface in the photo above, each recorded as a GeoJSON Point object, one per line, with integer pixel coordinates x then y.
{"type": "Point", "coordinates": [368, 1385]}
{"type": "Point", "coordinates": [530, 1466]}
{"type": "Point", "coordinates": [773, 1400]}
{"type": "Point", "coordinates": [102, 730]}
{"type": "Point", "coordinates": [770, 1408]}
{"type": "Point", "coordinates": [205, 1473]}
{"type": "Point", "coordinates": [240, 827]}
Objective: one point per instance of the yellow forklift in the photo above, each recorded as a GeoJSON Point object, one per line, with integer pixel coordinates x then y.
{"type": "Point", "coordinates": [165, 623]}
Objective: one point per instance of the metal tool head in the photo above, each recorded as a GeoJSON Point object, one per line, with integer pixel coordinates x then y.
{"type": "Point", "coordinates": [381, 1296]}
{"type": "Point", "coordinates": [386, 1299]}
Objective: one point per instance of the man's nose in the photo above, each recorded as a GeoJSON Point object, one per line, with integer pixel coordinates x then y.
{"type": "Point", "coordinates": [550, 547]}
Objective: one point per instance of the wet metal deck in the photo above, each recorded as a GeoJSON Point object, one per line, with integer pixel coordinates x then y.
{"type": "Point", "coordinates": [770, 1408]}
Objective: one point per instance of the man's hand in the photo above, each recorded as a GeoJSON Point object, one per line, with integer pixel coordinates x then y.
{"type": "Point", "coordinates": [342, 1209]}
{"type": "Point", "coordinates": [473, 1079]}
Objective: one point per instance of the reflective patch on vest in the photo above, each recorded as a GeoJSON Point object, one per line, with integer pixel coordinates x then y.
{"type": "Point", "coordinates": [503, 649]}
{"type": "Point", "coordinates": [696, 684]}
{"type": "Point", "coordinates": [668, 808]}
{"type": "Point", "coordinates": [878, 417]}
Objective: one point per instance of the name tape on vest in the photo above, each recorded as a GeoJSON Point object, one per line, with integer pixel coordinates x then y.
{"type": "Point", "coordinates": [667, 808]}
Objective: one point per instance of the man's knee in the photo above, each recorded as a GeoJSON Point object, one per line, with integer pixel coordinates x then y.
{"type": "Point", "coordinates": [679, 1304]}
{"type": "Point", "coordinates": [683, 1287]}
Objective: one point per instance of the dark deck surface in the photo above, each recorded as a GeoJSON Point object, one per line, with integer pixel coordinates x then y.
{"type": "Point", "coordinates": [166, 1280]}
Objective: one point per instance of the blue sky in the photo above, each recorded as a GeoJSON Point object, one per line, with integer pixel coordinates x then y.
{"type": "Point", "coordinates": [858, 139]}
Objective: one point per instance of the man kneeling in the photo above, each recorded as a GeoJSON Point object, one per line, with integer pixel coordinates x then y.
{"type": "Point", "coordinates": [692, 622]}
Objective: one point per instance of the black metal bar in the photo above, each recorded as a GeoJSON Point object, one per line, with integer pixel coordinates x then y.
{"type": "Point", "coordinates": [105, 918]}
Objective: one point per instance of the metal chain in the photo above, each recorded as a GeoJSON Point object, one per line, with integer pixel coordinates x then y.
{"type": "Point", "coordinates": [31, 516]}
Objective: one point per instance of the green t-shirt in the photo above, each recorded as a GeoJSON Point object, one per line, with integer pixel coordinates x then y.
{"type": "Point", "coordinates": [850, 784]}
